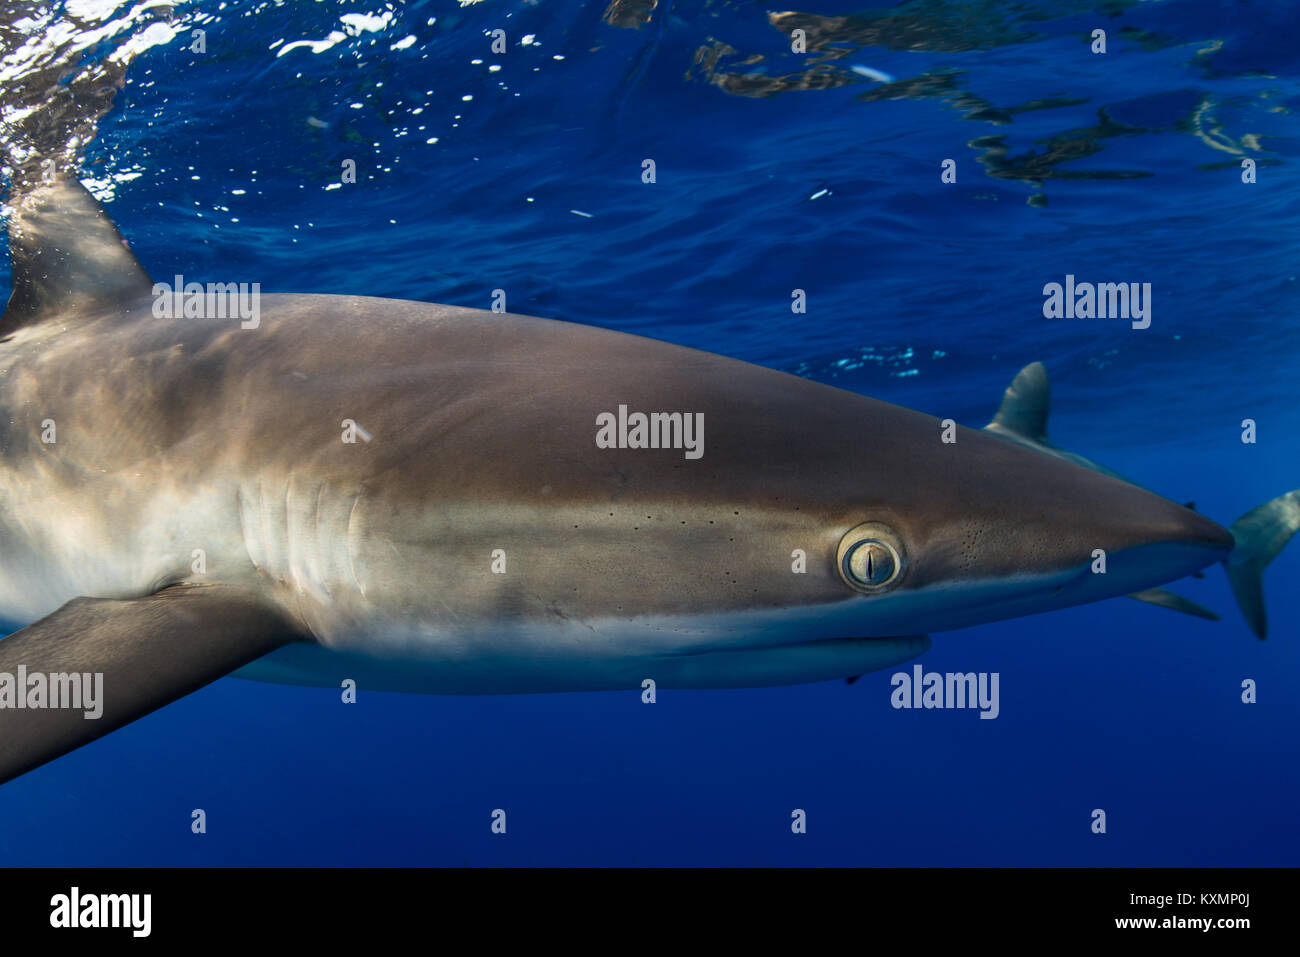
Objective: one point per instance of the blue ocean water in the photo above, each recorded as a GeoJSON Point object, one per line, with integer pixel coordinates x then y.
{"type": "Point", "coordinates": [774, 171]}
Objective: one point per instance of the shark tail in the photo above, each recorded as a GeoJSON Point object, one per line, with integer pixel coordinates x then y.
{"type": "Point", "coordinates": [1260, 534]}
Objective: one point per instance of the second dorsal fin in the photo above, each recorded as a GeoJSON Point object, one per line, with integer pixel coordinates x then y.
{"type": "Point", "coordinates": [68, 257]}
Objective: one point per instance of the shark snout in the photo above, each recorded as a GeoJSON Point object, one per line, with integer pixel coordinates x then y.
{"type": "Point", "coordinates": [1116, 538]}
{"type": "Point", "coordinates": [1051, 551]}
{"type": "Point", "coordinates": [1016, 531]}
{"type": "Point", "coordinates": [1192, 529]}
{"type": "Point", "coordinates": [1154, 540]}
{"type": "Point", "coordinates": [1122, 515]}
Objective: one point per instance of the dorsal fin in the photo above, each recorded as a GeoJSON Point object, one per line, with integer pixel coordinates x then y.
{"type": "Point", "coordinates": [1025, 405]}
{"type": "Point", "coordinates": [68, 257]}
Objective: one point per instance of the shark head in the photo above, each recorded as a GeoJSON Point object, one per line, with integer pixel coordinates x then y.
{"type": "Point", "coordinates": [982, 529]}
{"type": "Point", "coordinates": [646, 498]}
{"type": "Point", "coordinates": [902, 532]}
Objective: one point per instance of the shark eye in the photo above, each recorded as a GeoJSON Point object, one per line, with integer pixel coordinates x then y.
{"type": "Point", "coordinates": [870, 558]}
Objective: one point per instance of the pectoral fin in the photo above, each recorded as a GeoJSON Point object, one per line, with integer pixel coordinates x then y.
{"type": "Point", "coordinates": [150, 651]}
{"type": "Point", "coordinates": [1174, 602]}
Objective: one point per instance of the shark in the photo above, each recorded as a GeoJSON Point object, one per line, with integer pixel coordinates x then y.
{"type": "Point", "coordinates": [426, 498]}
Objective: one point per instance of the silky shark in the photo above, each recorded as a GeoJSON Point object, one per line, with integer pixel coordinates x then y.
{"type": "Point", "coordinates": [184, 498]}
